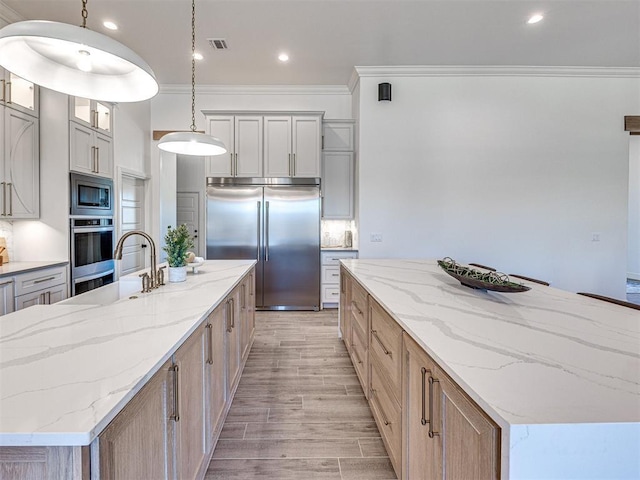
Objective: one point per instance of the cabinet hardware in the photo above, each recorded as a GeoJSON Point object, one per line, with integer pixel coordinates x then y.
{"type": "Point", "coordinates": [354, 304]}
{"type": "Point", "coordinates": [322, 147]}
{"type": "Point", "coordinates": [374, 397]}
{"type": "Point", "coordinates": [335, 294]}
{"type": "Point", "coordinates": [227, 319]}
{"type": "Point", "coordinates": [3, 89]}
{"type": "Point", "coordinates": [341, 284]}
{"type": "Point", "coordinates": [384, 349]}
{"type": "Point", "coordinates": [44, 279]}
{"type": "Point", "coordinates": [335, 274]}
{"type": "Point", "coordinates": [49, 298]}
{"type": "Point", "coordinates": [258, 230]}
{"type": "Point", "coordinates": [4, 198]}
{"type": "Point", "coordinates": [355, 352]}
{"type": "Point", "coordinates": [431, 382]}
{"type": "Point", "coordinates": [266, 231]}
{"type": "Point", "coordinates": [290, 165]}
{"type": "Point", "coordinates": [294, 164]}
{"type": "Point", "coordinates": [92, 118]}
{"type": "Point", "coordinates": [321, 206]}
{"type": "Point", "coordinates": [10, 185]}
{"type": "Point", "coordinates": [231, 165]}
{"type": "Point", "coordinates": [97, 159]}
{"type": "Point", "coordinates": [8, 93]}
{"type": "Point", "coordinates": [423, 420]}
{"type": "Point", "coordinates": [210, 343]}
{"type": "Point", "coordinates": [243, 295]}
{"type": "Point", "coordinates": [176, 385]}
{"type": "Point", "coordinates": [233, 313]}
{"type": "Point", "coordinates": [96, 119]}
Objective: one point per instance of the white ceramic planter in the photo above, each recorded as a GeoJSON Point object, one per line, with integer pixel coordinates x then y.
{"type": "Point", "coordinates": [177, 274]}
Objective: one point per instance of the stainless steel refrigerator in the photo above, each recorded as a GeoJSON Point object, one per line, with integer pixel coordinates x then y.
{"type": "Point", "coordinates": [277, 222]}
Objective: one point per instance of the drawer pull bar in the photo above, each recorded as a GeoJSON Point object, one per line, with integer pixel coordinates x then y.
{"type": "Point", "coordinates": [44, 280]}
{"type": "Point", "coordinates": [176, 412]}
{"type": "Point", "coordinates": [423, 420]}
{"type": "Point", "coordinates": [431, 382]}
{"type": "Point", "coordinates": [384, 349]}
{"type": "Point", "coordinates": [354, 304]}
{"type": "Point", "coordinates": [373, 397]}
{"type": "Point", "coordinates": [210, 344]}
{"type": "Point", "coordinates": [355, 352]}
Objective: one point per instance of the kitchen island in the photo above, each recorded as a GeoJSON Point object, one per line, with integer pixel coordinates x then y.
{"type": "Point", "coordinates": [557, 374]}
{"type": "Point", "coordinates": [68, 369]}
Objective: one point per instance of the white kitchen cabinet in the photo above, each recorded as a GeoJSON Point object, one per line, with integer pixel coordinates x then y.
{"type": "Point", "coordinates": [330, 275]}
{"type": "Point", "coordinates": [18, 93]}
{"type": "Point", "coordinates": [337, 186]}
{"type": "Point", "coordinates": [292, 145]}
{"type": "Point", "coordinates": [20, 172]}
{"type": "Point", "coordinates": [242, 136]}
{"type": "Point", "coordinates": [92, 113]}
{"type": "Point", "coordinates": [40, 287]}
{"type": "Point", "coordinates": [338, 136]}
{"type": "Point", "coordinates": [90, 152]}
{"type": "Point", "coordinates": [6, 295]}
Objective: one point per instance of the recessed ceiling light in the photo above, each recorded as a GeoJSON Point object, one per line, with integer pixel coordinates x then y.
{"type": "Point", "coordinates": [198, 56]}
{"type": "Point", "coordinates": [535, 18]}
{"type": "Point", "coordinates": [283, 57]}
{"type": "Point", "coordinates": [110, 25]}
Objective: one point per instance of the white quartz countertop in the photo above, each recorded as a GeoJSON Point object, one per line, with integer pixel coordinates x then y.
{"type": "Point", "coordinates": [67, 369]}
{"type": "Point", "coordinates": [12, 268]}
{"type": "Point", "coordinates": [558, 372]}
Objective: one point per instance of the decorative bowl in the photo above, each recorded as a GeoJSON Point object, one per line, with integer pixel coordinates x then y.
{"type": "Point", "coordinates": [494, 281]}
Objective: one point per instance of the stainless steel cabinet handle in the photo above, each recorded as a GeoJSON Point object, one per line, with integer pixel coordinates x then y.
{"type": "Point", "coordinates": [335, 274]}
{"type": "Point", "coordinates": [294, 164]}
{"type": "Point", "coordinates": [95, 114]}
{"type": "Point", "coordinates": [258, 230]}
{"type": "Point", "coordinates": [341, 284]}
{"type": "Point", "coordinates": [44, 279]}
{"type": "Point", "coordinates": [231, 165]}
{"type": "Point", "coordinates": [236, 164]}
{"type": "Point", "coordinates": [266, 232]}
{"type": "Point", "coordinates": [92, 118]}
{"type": "Point", "coordinates": [373, 397]}
{"type": "Point", "coordinates": [4, 198]}
{"type": "Point", "coordinates": [384, 349]}
{"type": "Point", "coordinates": [97, 159]}
{"type": "Point", "coordinates": [243, 289]}
{"type": "Point", "coordinates": [431, 382]}
{"type": "Point", "coordinates": [10, 185]}
{"type": "Point", "coordinates": [175, 416]}
{"type": "Point", "coordinates": [209, 344]}
{"type": "Point", "coordinates": [49, 298]}
{"type": "Point", "coordinates": [227, 312]}
{"type": "Point", "coordinates": [354, 304]}
{"type": "Point", "coordinates": [423, 420]}
{"type": "Point", "coordinates": [355, 352]}
{"type": "Point", "coordinates": [233, 313]}
{"type": "Point", "coordinates": [93, 159]}
{"type": "Point", "coordinates": [290, 174]}
{"type": "Point", "coordinates": [8, 93]}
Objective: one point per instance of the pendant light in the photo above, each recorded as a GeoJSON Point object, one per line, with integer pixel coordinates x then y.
{"type": "Point", "coordinates": [192, 143]}
{"type": "Point", "coordinates": [75, 61]}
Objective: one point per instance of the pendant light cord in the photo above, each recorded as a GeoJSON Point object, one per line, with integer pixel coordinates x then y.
{"type": "Point", "coordinates": [193, 65]}
{"type": "Point", "coordinates": [85, 13]}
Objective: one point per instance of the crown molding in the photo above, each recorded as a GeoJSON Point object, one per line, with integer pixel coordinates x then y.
{"type": "Point", "coordinates": [8, 14]}
{"type": "Point", "coordinates": [354, 79]}
{"type": "Point", "coordinates": [495, 71]}
{"type": "Point", "coordinates": [259, 89]}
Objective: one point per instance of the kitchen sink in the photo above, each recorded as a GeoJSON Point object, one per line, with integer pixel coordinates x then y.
{"type": "Point", "coordinates": [122, 289]}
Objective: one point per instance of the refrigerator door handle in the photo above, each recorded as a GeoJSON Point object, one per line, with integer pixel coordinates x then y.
{"type": "Point", "coordinates": [266, 231]}
{"type": "Point", "coordinates": [258, 229]}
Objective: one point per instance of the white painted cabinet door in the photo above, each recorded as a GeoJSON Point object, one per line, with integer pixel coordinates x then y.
{"type": "Point", "coordinates": [248, 146]}
{"type": "Point", "coordinates": [221, 127]}
{"type": "Point", "coordinates": [337, 185]}
{"type": "Point", "coordinates": [6, 296]}
{"type": "Point", "coordinates": [18, 93]}
{"type": "Point", "coordinates": [21, 165]}
{"type": "Point", "coordinates": [306, 146]}
{"type": "Point", "coordinates": [277, 146]}
{"type": "Point", "coordinates": [104, 155]}
{"type": "Point", "coordinates": [81, 149]}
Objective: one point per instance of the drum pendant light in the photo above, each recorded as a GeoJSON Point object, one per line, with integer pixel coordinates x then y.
{"type": "Point", "coordinates": [75, 61]}
{"type": "Point", "coordinates": [192, 143]}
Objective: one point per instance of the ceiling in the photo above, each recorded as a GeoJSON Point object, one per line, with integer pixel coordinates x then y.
{"type": "Point", "coordinates": [325, 39]}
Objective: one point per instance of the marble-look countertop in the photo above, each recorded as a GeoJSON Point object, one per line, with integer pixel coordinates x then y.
{"type": "Point", "coordinates": [558, 372]}
{"type": "Point", "coordinates": [13, 268]}
{"type": "Point", "coordinates": [67, 369]}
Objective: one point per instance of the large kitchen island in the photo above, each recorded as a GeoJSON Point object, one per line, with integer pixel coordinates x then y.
{"type": "Point", "coordinates": [121, 384]}
{"type": "Point", "coordinates": [466, 383]}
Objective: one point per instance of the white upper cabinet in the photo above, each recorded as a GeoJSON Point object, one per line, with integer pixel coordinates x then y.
{"type": "Point", "coordinates": [338, 170]}
{"type": "Point", "coordinates": [91, 113]}
{"type": "Point", "coordinates": [242, 136]}
{"type": "Point", "coordinates": [89, 151]}
{"type": "Point", "coordinates": [292, 145]}
{"type": "Point", "coordinates": [338, 136]}
{"type": "Point", "coordinates": [18, 93]}
{"type": "Point", "coordinates": [20, 166]}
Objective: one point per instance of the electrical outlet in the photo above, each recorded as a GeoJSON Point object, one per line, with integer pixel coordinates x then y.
{"type": "Point", "coordinates": [595, 237]}
{"type": "Point", "coordinates": [376, 237]}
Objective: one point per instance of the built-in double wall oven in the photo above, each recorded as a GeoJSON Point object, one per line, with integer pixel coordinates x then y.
{"type": "Point", "coordinates": [92, 232]}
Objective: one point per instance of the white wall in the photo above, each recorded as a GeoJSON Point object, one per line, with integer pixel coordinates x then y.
{"type": "Point", "coordinates": [633, 259]}
{"type": "Point", "coordinates": [514, 172]}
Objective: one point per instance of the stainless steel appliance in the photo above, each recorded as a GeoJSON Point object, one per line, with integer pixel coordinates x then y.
{"type": "Point", "coordinates": [277, 222]}
{"type": "Point", "coordinates": [92, 263]}
{"type": "Point", "coordinates": [91, 196]}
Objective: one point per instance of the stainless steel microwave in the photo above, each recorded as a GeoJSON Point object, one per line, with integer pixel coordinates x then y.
{"type": "Point", "coordinates": [91, 195]}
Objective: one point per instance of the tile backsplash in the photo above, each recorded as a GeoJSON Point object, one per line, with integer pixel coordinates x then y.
{"type": "Point", "coordinates": [333, 233]}
{"type": "Point", "coordinates": [6, 231]}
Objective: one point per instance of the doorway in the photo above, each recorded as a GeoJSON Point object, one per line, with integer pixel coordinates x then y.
{"type": "Point", "coordinates": [188, 212]}
{"type": "Point", "coordinates": [633, 244]}
{"type": "Point", "coordinates": [132, 210]}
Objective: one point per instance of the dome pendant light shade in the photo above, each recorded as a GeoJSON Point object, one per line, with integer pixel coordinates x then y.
{"type": "Point", "coordinates": [75, 61]}
{"type": "Point", "coordinates": [191, 143]}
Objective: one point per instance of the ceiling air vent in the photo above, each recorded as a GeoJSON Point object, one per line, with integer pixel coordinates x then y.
{"type": "Point", "coordinates": [218, 43]}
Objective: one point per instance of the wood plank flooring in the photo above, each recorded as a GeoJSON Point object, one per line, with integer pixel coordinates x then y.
{"type": "Point", "coordinates": [299, 412]}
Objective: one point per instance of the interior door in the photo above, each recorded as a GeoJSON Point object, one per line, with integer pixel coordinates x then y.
{"type": "Point", "coordinates": [291, 275]}
{"type": "Point", "coordinates": [188, 213]}
{"type": "Point", "coordinates": [132, 218]}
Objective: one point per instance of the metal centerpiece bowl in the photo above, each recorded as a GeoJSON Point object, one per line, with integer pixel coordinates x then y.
{"type": "Point", "coordinates": [469, 277]}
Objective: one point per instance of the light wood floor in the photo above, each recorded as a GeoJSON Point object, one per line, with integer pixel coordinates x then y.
{"type": "Point", "coordinates": [299, 412]}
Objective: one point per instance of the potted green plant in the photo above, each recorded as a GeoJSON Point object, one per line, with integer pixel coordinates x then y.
{"type": "Point", "coordinates": [177, 242]}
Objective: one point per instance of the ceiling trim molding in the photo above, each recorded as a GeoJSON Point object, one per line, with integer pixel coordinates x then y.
{"type": "Point", "coordinates": [9, 15]}
{"type": "Point", "coordinates": [498, 71]}
{"type": "Point", "coordinates": [353, 80]}
{"type": "Point", "coordinates": [258, 89]}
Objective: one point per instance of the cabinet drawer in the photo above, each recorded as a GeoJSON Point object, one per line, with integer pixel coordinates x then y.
{"type": "Point", "coordinates": [330, 294]}
{"type": "Point", "coordinates": [40, 280]}
{"type": "Point", "coordinates": [333, 258]}
{"type": "Point", "coordinates": [388, 415]}
{"type": "Point", "coordinates": [330, 274]}
{"type": "Point", "coordinates": [359, 306]}
{"type": "Point", "coordinates": [359, 355]}
{"type": "Point", "coordinates": [42, 297]}
{"type": "Point", "coordinates": [386, 346]}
